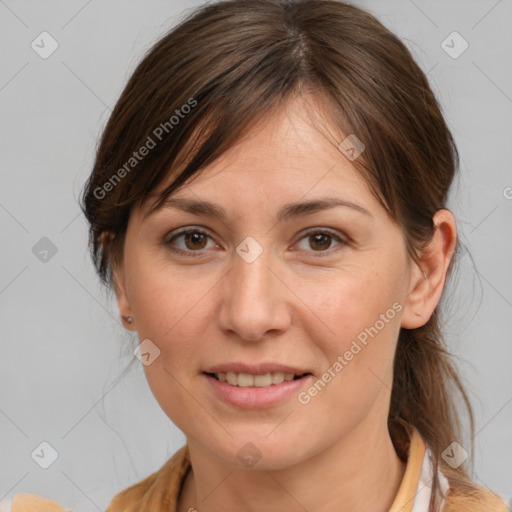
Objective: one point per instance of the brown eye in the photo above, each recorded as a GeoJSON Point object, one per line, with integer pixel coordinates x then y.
{"type": "Point", "coordinates": [195, 240]}
{"type": "Point", "coordinates": [188, 242]}
{"type": "Point", "coordinates": [320, 241]}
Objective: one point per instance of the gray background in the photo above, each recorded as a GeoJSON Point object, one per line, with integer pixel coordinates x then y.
{"type": "Point", "coordinates": [62, 345]}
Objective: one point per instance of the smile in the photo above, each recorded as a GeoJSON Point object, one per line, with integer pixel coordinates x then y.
{"type": "Point", "coordinates": [245, 380]}
{"type": "Point", "coordinates": [250, 391]}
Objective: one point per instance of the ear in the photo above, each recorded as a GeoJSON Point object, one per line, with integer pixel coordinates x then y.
{"type": "Point", "coordinates": [428, 276]}
{"type": "Point", "coordinates": [123, 302]}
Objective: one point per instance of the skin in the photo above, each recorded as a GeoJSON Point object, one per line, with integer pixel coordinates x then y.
{"type": "Point", "coordinates": [288, 306]}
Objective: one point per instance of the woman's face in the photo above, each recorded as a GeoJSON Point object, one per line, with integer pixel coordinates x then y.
{"type": "Point", "coordinates": [269, 286]}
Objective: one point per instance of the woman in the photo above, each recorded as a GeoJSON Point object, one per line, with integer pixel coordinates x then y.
{"type": "Point", "coordinates": [269, 204]}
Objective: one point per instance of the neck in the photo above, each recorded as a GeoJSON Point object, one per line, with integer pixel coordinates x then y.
{"type": "Point", "coordinates": [360, 472]}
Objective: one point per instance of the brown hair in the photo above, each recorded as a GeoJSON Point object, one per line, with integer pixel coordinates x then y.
{"type": "Point", "coordinates": [228, 64]}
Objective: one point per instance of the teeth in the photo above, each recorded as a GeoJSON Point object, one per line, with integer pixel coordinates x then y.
{"type": "Point", "coordinates": [261, 381]}
{"type": "Point", "coordinates": [242, 379]}
{"type": "Point", "coordinates": [245, 380]}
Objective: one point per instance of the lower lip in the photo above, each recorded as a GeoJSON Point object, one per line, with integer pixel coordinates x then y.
{"type": "Point", "coordinates": [253, 397]}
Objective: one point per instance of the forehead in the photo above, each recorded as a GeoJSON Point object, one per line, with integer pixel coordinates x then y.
{"type": "Point", "coordinates": [290, 154]}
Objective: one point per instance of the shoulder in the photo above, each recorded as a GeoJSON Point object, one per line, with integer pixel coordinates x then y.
{"type": "Point", "coordinates": [159, 487]}
{"type": "Point", "coordinates": [162, 486]}
{"type": "Point", "coordinates": [33, 503]}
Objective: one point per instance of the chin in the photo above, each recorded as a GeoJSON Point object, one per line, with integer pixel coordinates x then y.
{"type": "Point", "coordinates": [259, 452]}
{"type": "Point", "coordinates": [251, 458]}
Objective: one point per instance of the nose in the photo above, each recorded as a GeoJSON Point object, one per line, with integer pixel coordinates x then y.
{"type": "Point", "coordinates": [255, 299]}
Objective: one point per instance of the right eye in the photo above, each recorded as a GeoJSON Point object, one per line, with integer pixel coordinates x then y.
{"type": "Point", "coordinates": [193, 241]}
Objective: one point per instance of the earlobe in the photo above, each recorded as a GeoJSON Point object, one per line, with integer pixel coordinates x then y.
{"type": "Point", "coordinates": [123, 303]}
{"type": "Point", "coordinates": [429, 274]}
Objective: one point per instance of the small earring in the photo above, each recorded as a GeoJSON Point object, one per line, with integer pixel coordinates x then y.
{"type": "Point", "coordinates": [425, 275]}
{"type": "Point", "coordinates": [128, 319]}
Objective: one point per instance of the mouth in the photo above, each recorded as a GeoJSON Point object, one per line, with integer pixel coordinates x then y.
{"type": "Point", "coordinates": [260, 386]}
{"type": "Point", "coordinates": [246, 380]}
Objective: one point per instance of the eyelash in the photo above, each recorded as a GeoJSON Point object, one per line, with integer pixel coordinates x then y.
{"type": "Point", "coordinates": [195, 254]}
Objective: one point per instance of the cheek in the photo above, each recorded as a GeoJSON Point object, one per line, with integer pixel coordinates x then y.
{"type": "Point", "coordinates": [166, 301]}
{"type": "Point", "coordinates": [354, 304]}
{"type": "Point", "coordinates": [173, 310]}
{"type": "Point", "coordinates": [362, 311]}
{"type": "Point", "coordinates": [170, 308]}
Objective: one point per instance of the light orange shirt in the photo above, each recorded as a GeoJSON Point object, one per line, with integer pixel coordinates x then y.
{"type": "Point", "coordinates": [159, 492]}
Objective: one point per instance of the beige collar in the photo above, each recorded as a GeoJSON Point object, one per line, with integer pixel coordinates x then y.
{"type": "Point", "coordinates": [406, 494]}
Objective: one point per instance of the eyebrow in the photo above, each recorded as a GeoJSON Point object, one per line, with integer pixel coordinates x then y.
{"type": "Point", "coordinates": [287, 212]}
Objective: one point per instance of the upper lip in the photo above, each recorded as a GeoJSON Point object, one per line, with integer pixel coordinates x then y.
{"type": "Point", "coordinates": [255, 369]}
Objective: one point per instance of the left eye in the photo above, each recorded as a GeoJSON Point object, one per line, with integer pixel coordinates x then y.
{"type": "Point", "coordinates": [322, 240]}
{"type": "Point", "coordinates": [195, 241]}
